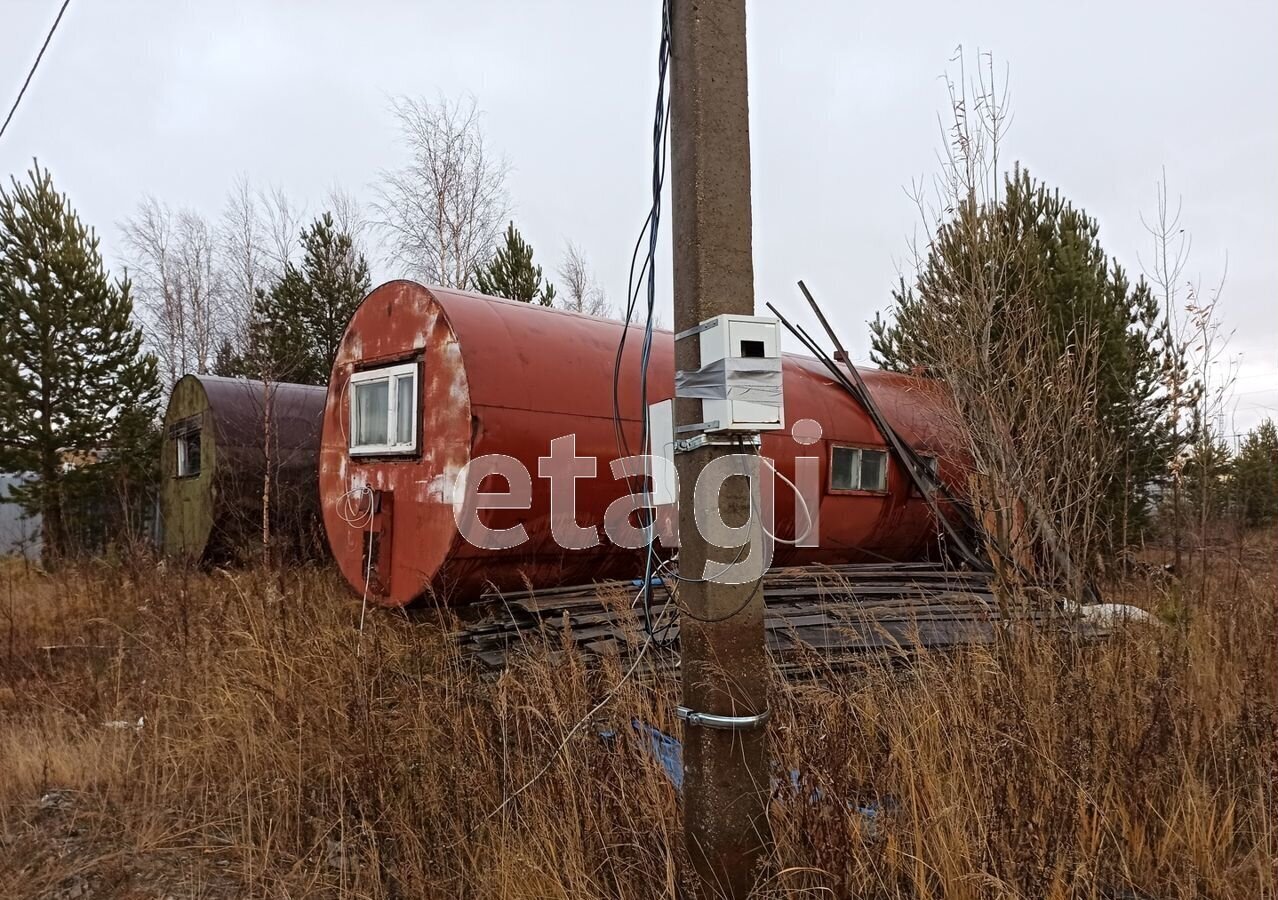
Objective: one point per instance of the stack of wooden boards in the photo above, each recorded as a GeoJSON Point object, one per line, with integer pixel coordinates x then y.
{"type": "Point", "coordinates": [817, 617]}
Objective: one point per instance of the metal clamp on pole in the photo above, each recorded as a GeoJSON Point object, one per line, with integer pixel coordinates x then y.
{"type": "Point", "coordinates": [726, 723]}
{"type": "Point", "coordinates": [697, 329]}
{"type": "Point", "coordinates": [739, 440]}
{"type": "Point", "coordinates": [697, 427]}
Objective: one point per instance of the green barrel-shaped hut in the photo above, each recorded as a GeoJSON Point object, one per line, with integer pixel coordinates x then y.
{"type": "Point", "coordinates": [240, 466]}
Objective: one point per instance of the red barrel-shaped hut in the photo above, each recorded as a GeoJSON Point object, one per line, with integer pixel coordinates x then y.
{"type": "Point", "coordinates": [428, 379]}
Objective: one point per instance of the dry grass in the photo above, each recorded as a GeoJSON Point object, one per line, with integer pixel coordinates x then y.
{"type": "Point", "coordinates": [283, 755]}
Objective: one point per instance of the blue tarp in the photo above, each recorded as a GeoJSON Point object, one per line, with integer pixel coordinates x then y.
{"type": "Point", "coordinates": [668, 751]}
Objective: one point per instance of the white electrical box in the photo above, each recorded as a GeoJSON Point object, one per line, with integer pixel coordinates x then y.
{"type": "Point", "coordinates": [661, 446]}
{"type": "Point", "coordinates": [739, 383]}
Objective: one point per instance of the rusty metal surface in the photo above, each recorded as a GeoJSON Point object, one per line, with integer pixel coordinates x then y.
{"type": "Point", "coordinates": [506, 377]}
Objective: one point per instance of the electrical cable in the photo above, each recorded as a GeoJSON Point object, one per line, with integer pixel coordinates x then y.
{"type": "Point", "coordinates": [660, 635]}
{"type": "Point", "coordinates": [683, 610]}
{"type": "Point", "coordinates": [646, 278]}
{"type": "Point", "coordinates": [758, 584]}
{"type": "Point", "coordinates": [649, 229]}
{"type": "Point", "coordinates": [612, 692]}
{"type": "Point", "coordinates": [349, 513]}
{"type": "Point", "coordinates": [703, 580]}
{"type": "Point", "coordinates": [360, 519]}
{"type": "Point", "coordinates": [368, 577]}
{"type": "Point", "coordinates": [35, 65]}
{"type": "Point", "coordinates": [697, 617]}
{"type": "Point", "coordinates": [798, 495]}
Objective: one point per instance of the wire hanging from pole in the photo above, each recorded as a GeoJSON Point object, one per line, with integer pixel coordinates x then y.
{"type": "Point", "coordinates": [646, 278]}
{"type": "Point", "coordinates": [35, 65]}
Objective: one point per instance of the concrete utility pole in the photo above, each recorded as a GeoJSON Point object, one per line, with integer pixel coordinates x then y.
{"type": "Point", "coordinates": [724, 662]}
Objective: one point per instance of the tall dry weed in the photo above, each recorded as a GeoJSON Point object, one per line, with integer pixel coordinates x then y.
{"type": "Point", "coordinates": [292, 756]}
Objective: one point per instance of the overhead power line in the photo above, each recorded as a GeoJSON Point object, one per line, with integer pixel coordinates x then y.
{"type": "Point", "coordinates": [35, 65]}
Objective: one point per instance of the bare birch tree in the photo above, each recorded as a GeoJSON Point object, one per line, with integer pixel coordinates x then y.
{"type": "Point", "coordinates": [1165, 270]}
{"type": "Point", "coordinates": [283, 222]}
{"type": "Point", "coordinates": [173, 260]}
{"type": "Point", "coordinates": [251, 256]}
{"type": "Point", "coordinates": [244, 256]}
{"type": "Point", "coordinates": [581, 292]}
{"type": "Point", "coordinates": [349, 214]}
{"type": "Point", "coordinates": [1215, 374]}
{"type": "Point", "coordinates": [442, 212]}
{"type": "Point", "coordinates": [257, 235]}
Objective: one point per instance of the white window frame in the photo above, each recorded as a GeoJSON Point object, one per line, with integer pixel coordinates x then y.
{"type": "Point", "coordinates": [391, 375]}
{"type": "Point", "coordinates": [859, 489]}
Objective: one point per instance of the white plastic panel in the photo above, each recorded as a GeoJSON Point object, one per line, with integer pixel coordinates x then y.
{"type": "Point", "coordinates": [661, 444]}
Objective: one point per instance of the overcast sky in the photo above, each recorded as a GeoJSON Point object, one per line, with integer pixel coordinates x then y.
{"type": "Point", "coordinates": [178, 98]}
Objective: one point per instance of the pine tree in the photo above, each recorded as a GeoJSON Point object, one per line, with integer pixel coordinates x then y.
{"type": "Point", "coordinates": [1206, 475]}
{"type": "Point", "coordinates": [228, 363]}
{"type": "Point", "coordinates": [109, 504]}
{"type": "Point", "coordinates": [511, 273]}
{"type": "Point", "coordinates": [297, 326]}
{"type": "Point", "coordinates": [1081, 295]}
{"type": "Point", "coordinates": [72, 371]}
{"type": "Point", "coordinates": [1255, 476]}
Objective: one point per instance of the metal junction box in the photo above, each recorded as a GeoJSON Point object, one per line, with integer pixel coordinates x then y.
{"type": "Point", "coordinates": [739, 382]}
